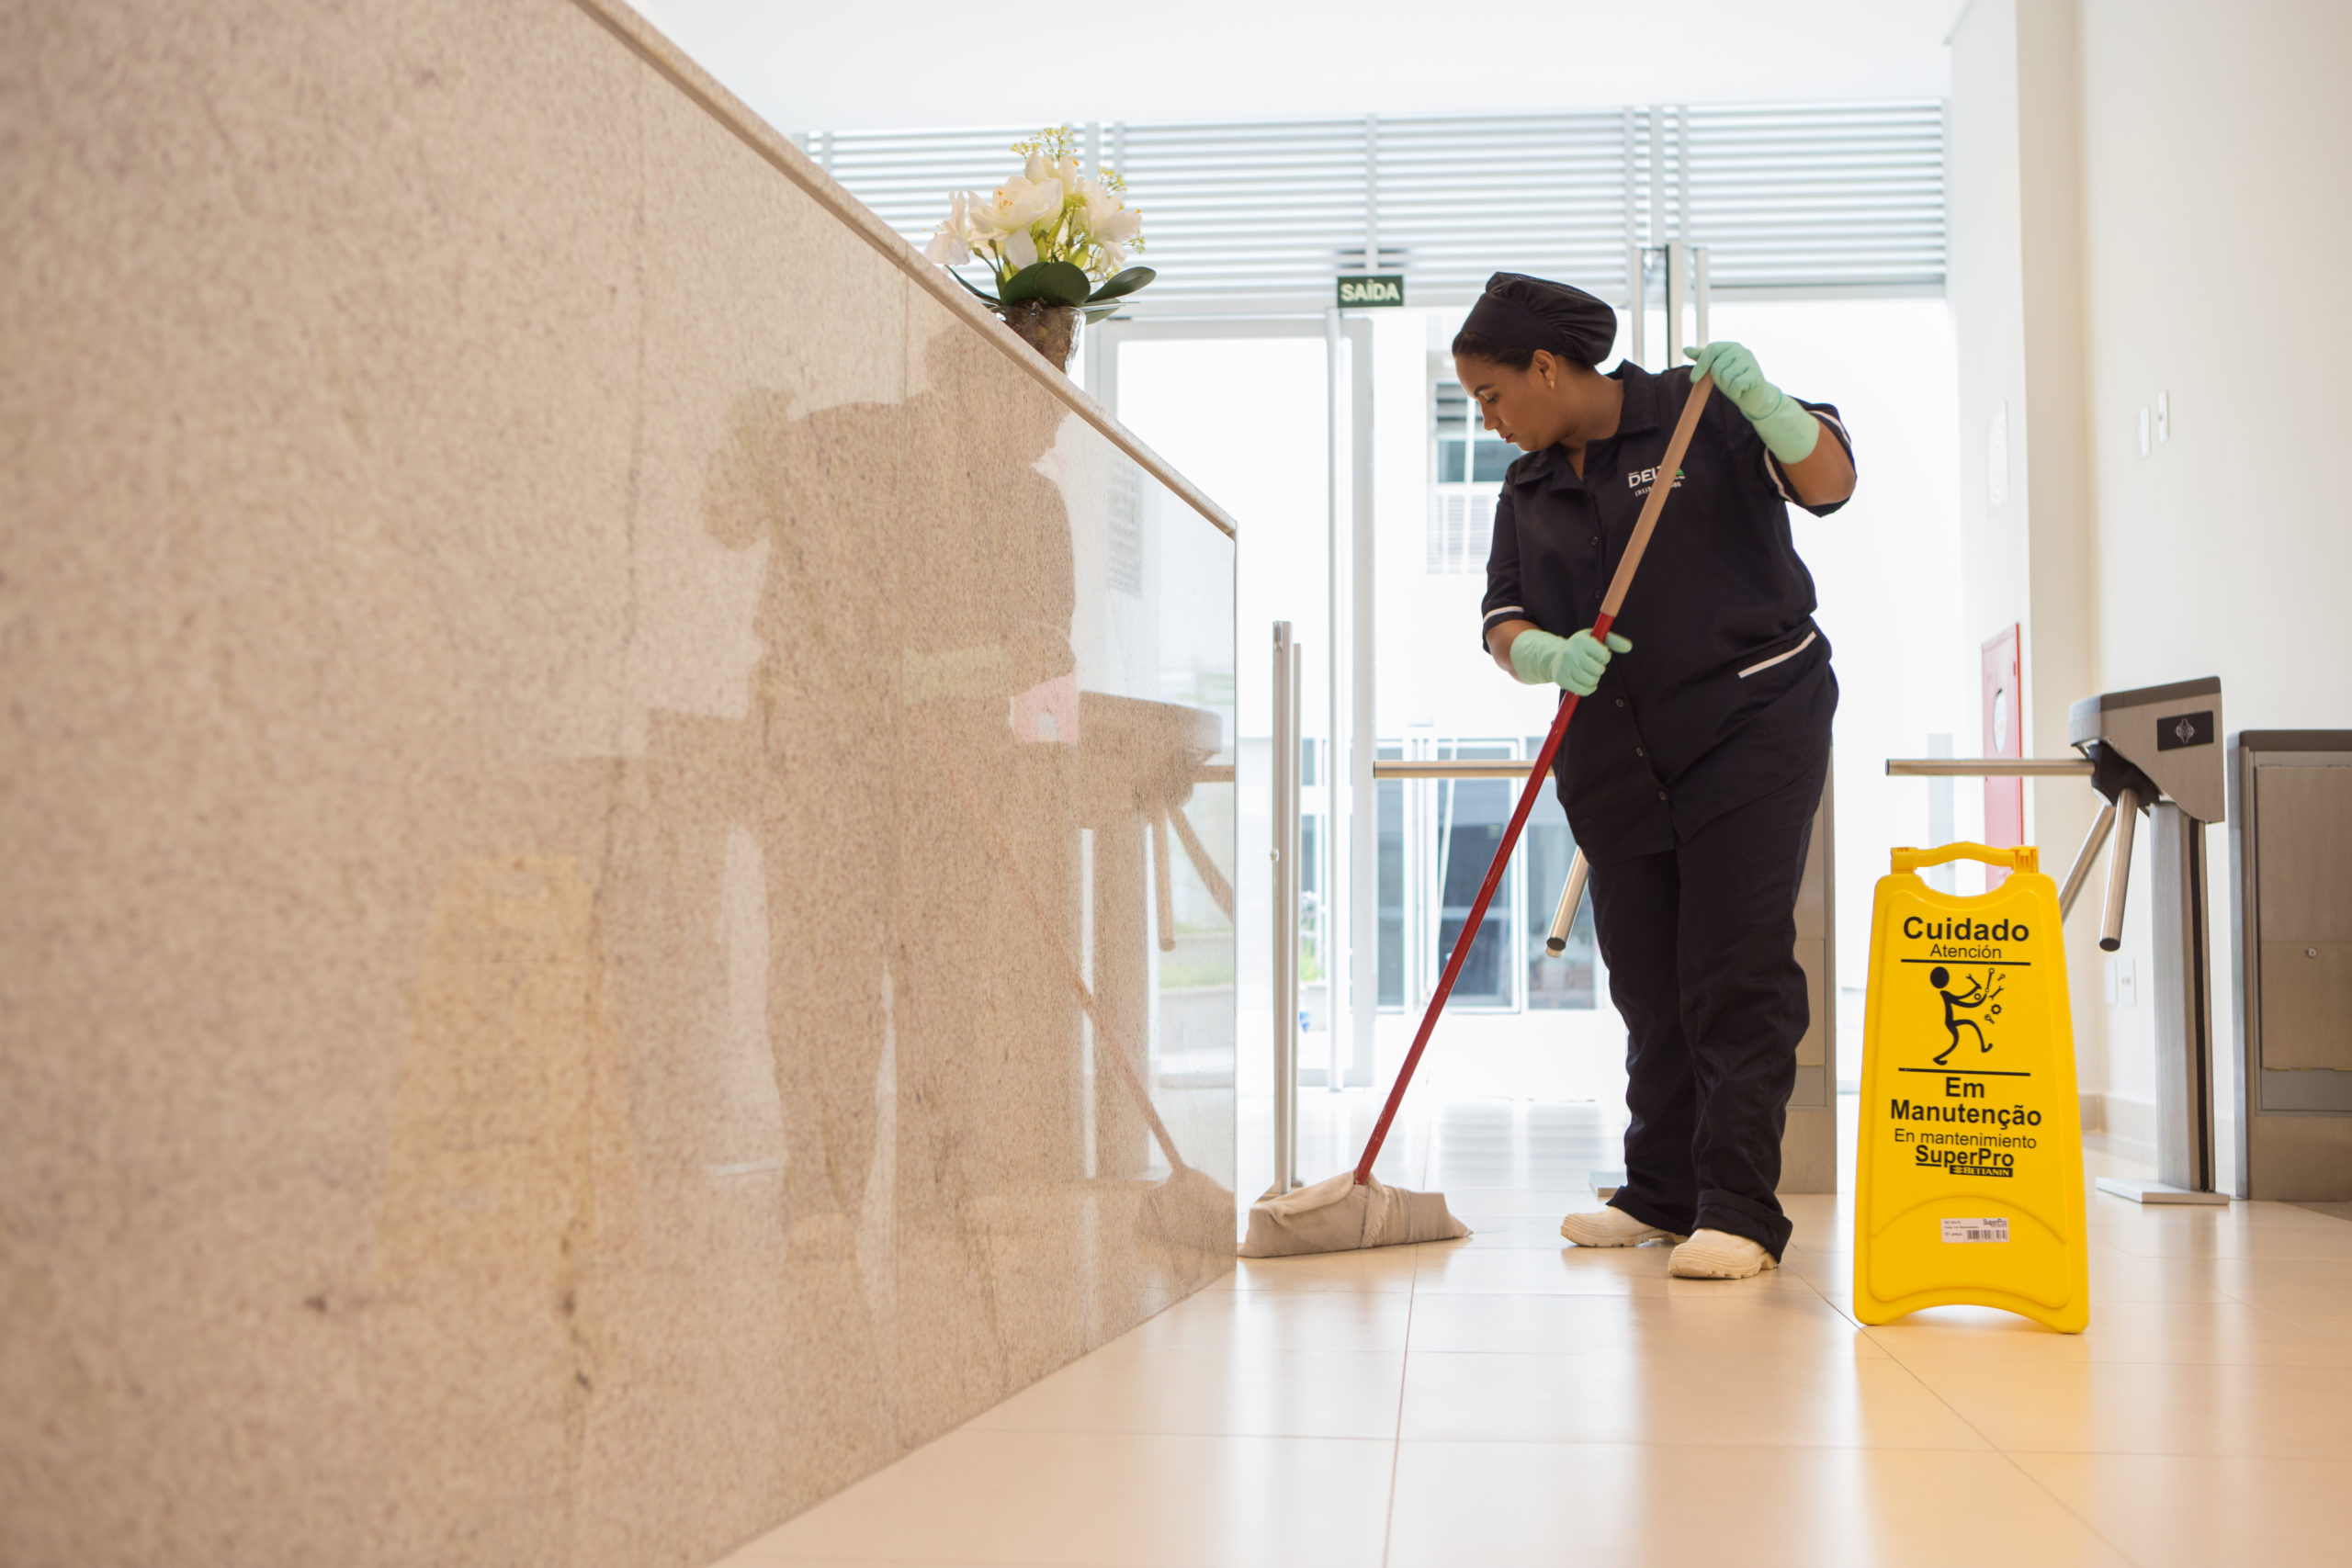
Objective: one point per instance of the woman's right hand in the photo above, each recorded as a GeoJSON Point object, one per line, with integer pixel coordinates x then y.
{"type": "Point", "coordinates": [1572, 663]}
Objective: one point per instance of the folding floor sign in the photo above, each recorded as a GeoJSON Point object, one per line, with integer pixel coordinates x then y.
{"type": "Point", "coordinates": [1970, 1165]}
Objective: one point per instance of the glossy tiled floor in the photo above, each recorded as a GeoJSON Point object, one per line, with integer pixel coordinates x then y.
{"type": "Point", "coordinates": [1506, 1399]}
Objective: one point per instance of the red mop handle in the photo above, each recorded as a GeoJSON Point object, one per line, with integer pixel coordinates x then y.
{"type": "Point", "coordinates": [1615, 601]}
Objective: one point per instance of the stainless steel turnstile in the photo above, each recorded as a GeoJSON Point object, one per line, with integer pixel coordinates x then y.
{"type": "Point", "coordinates": [2158, 750]}
{"type": "Point", "coordinates": [2291, 899]}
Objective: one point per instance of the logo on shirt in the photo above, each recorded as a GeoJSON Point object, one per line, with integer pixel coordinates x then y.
{"type": "Point", "coordinates": [1641, 480]}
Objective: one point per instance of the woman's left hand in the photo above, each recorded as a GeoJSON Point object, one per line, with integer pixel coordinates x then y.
{"type": "Point", "coordinates": [1787, 426]}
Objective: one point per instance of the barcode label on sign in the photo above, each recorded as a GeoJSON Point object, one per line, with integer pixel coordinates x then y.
{"type": "Point", "coordinates": [1976, 1229]}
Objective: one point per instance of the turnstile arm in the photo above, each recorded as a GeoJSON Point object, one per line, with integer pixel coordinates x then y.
{"type": "Point", "coordinates": [1571, 896]}
{"type": "Point", "coordinates": [2126, 811]}
{"type": "Point", "coordinates": [2093, 841]}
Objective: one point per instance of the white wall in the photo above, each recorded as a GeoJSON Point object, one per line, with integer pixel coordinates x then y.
{"type": "Point", "coordinates": [2148, 196]}
{"type": "Point", "coordinates": [2016, 289]}
{"type": "Point", "coordinates": [2216, 221]}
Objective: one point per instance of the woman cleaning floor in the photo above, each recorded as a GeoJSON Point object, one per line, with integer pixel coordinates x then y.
{"type": "Point", "coordinates": [1691, 776]}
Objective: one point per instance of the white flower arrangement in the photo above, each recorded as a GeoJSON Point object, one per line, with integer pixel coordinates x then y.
{"type": "Point", "coordinates": [1050, 233]}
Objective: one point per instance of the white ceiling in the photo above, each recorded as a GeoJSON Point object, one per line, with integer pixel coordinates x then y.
{"type": "Point", "coordinates": [853, 64]}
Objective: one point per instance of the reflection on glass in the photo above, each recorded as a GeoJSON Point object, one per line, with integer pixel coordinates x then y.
{"type": "Point", "coordinates": [1472, 814]}
{"type": "Point", "coordinates": [1545, 851]}
{"type": "Point", "coordinates": [1391, 898]}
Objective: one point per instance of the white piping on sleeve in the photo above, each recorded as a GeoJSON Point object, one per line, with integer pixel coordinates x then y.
{"type": "Point", "coordinates": [1780, 658]}
{"type": "Point", "coordinates": [1772, 465]}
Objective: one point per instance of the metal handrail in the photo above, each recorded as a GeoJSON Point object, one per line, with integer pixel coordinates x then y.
{"type": "Point", "coordinates": [1284, 783]}
{"type": "Point", "coordinates": [1988, 768]}
{"type": "Point", "coordinates": [1466, 768]}
{"type": "Point", "coordinates": [2109, 819]}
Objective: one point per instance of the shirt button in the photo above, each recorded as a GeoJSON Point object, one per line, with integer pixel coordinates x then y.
{"type": "Point", "coordinates": [1662, 795]}
{"type": "Point", "coordinates": [1595, 541]}
{"type": "Point", "coordinates": [1621, 702]}
{"type": "Point", "coordinates": [1639, 752]}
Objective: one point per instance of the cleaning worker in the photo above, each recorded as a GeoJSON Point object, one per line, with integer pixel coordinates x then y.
{"type": "Point", "coordinates": [1691, 770]}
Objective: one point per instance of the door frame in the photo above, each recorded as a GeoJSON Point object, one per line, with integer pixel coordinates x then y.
{"type": "Point", "coordinates": [1351, 949]}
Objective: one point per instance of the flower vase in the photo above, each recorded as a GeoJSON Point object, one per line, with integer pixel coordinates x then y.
{"type": "Point", "coordinates": [1050, 329]}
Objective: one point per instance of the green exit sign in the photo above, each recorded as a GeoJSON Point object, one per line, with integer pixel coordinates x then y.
{"type": "Point", "coordinates": [1373, 289]}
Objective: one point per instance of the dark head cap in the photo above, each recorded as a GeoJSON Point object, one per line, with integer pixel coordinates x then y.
{"type": "Point", "coordinates": [1528, 313]}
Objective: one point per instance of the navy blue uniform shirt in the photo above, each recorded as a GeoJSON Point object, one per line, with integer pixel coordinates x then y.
{"type": "Point", "coordinates": [1727, 693]}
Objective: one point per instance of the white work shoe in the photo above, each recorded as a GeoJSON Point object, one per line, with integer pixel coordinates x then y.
{"type": "Point", "coordinates": [1719, 1255]}
{"type": "Point", "coordinates": [1610, 1228]}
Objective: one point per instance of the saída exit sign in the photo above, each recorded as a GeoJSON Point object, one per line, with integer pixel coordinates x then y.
{"type": "Point", "coordinates": [1371, 289]}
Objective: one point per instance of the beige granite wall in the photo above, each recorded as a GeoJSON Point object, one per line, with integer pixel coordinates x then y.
{"type": "Point", "coordinates": [578, 749]}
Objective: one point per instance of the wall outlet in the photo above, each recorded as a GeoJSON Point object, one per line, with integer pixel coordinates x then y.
{"type": "Point", "coordinates": [2123, 981]}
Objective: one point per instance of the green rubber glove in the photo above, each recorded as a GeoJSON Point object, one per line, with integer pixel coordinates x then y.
{"type": "Point", "coordinates": [1573, 663]}
{"type": "Point", "coordinates": [1788, 427]}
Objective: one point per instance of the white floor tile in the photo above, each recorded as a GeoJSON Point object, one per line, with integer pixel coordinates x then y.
{"type": "Point", "coordinates": [1726, 1397]}
{"type": "Point", "coordinates": [1126, 1387]}
{"type": "Point", "coordinates": [1282, 1320]}
{"type": "Point", "coordinates": [1371, 1268]}
{"type": "Point", "coordinates": [1539, 1403]}
{"type": "Point", "coordinates": [1775, 1324]}
{"type": "Point", "coordinates": [1124, 1499]}
{"type": "Point", "coordinates": [1602, 1506]}
{"type": "Point", "coordinates": [2150, 1407]}
{"type": "Point", "coordinates": [2167, 1511]}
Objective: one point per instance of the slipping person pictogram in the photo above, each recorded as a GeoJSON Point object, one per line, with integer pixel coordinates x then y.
{"type": "Point", "coordinates": [1980, 994]}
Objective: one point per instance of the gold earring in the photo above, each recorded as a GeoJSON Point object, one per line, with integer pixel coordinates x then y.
{"type": "Point", "coordinates": [1549, 382]}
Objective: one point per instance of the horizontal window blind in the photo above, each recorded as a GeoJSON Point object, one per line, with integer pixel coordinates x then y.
{"type": "Point", "coordinates": [1262, 215]}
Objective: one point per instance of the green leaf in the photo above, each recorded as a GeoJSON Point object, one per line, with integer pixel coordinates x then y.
{"type": "Point", "coordinates": [1103, 312]}
{"type": "Point", "coordinates": [977, 293]}
{"type": "Point", "coordinates": [1059, 281]}
{"type": "Point", "coordinates": [1126, 283]}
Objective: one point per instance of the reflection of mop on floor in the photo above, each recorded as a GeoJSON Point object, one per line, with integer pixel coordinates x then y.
{"type": "Point", "coordinates": [1192, 1208]}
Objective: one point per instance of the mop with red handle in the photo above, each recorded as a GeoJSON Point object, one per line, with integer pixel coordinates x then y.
{"type": "Point", "coordinates": [1351, 1210]}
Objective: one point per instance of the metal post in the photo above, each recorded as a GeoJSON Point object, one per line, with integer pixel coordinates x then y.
{"type": "Point", "coordinates": [1677, 294]}
{"type": "Point", "coordinates": [1284, 782]}
{"type": "Point", "coordinates": [2184, 1032]}
{"type": "Point", "coordinates": [1338, 540]}
{"type": "Point", "coordinates": [1699, 293]}
{"type": "Point", "coordinates": [1637, 310]}
{"type": "Point", "coordinates": [1362, 800]}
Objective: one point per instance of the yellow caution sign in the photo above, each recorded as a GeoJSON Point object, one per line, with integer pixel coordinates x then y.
{"type": "Point", "coordinates": [1971, 1169]}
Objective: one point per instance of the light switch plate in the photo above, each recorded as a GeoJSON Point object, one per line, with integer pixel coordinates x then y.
{"type": "Point", "coordinates": [2123, 981]}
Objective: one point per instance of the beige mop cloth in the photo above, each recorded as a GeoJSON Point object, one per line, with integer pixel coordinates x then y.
{"type": "Point", "coordinates": [1336, 1215]}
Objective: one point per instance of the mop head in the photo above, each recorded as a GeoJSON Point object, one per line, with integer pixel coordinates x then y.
{"type": "Point", "coordinates": [1336, 1215]}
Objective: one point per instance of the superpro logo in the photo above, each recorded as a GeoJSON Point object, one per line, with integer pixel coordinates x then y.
{"type": "Point", "coordinates": [1640, 478]}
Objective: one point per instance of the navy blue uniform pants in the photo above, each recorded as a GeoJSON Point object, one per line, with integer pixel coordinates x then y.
{"type": "Point", "coordinates": [1700, 944]}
